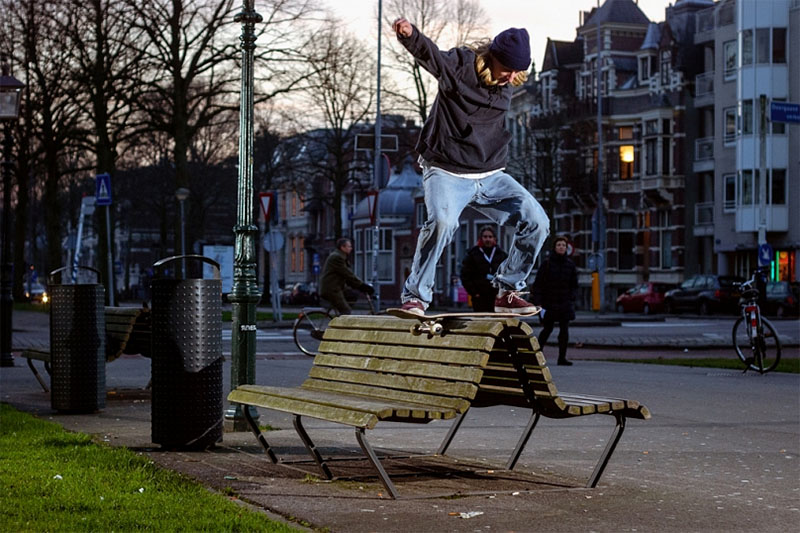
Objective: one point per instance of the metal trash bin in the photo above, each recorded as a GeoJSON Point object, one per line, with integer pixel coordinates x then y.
{"type": "Point", "coordinates": [77, 344]}
{"type": "Point", "coordinates": [186, 357]}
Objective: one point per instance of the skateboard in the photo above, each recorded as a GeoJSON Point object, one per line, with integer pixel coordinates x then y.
{"type": "Point", "coordinates": [433, 325]}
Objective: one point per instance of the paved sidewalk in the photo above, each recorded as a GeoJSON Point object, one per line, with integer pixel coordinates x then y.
{"type": "Point", "coordinates": [720, 454]}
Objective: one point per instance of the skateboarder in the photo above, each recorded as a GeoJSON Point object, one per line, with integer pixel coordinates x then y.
{"type": "Point", "coordinates": [478, 269]}
{"type": "Point", "coordinates": [463, 151]}
{"type": "Point", "coordinates": [336, 274]}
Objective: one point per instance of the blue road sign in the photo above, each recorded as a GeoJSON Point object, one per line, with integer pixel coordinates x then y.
{"type": "Point", "coordinates": [103, 189]}
{"type": "Point", "coordinates": [764, 254]}
{"type": "Point", "coordinates": [784, 112]}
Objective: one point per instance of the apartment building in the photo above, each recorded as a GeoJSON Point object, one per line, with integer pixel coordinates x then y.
{"type": "Point", "coordinates": [748, 164]}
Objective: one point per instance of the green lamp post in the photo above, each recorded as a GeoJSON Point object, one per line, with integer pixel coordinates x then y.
{"type": "Point", "coordinates": [244, 294]}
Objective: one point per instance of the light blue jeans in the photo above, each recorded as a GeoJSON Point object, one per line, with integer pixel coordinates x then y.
{"type": "Point", "coordinates": [501, 198]}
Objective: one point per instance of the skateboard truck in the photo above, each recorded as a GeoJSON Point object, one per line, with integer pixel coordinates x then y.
{"type": "Point", "coordinates": [431, 327]}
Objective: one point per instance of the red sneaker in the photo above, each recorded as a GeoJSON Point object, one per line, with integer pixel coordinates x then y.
{"type": "Point", "coordinates": [414, 306]}
{"type": "Point", "coordinates": [510, 302]}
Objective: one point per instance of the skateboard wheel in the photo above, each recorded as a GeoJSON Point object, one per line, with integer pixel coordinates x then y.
{"type": "Point", "coordinates": [437, 329]}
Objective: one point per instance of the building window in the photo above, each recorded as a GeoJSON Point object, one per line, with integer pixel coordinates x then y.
{"type": "Point", "coordinates": [730, 125]}
{"type": "Point", "coordinates": [778, 128]}
{"type": "Point", "coordinates": [644, 71]}
{"type": "Point", "coordinates": [747, 117]}
{"type": "Point", "coordinates": [748, 188]}
{"type": "Point", "coordinates": [729, 52]}
{"type": "Point", "coordinates": [385, 255]}
{"type": "Point", "coordinates": [729, 185]}
{"type": "Point", "coordinates": [421, 214]}
{"type": "Point", "coordinates": [650, 147]}
{"type": "Point", "coordinates": [779, 45]}
{"type": "Point", "coordinates": [665, 239]}
{"type": "Point", "coordinates": [626, 162]}
{"type": "Point", "coordinates": [747, 47]}
{"type": "Point", "coordinates": [293, 256]}
{"type": "Point", "coordinates": [763, 51]}
{"type": "Point", "coordinates": [778, 187]}
{"type": "Point", "coordinates": [626, 259]}
{"type": "Point", "coordinates": [666, 160]}
{"type": "Point", "coordinates": [666, 60]}
{"type": "Point", "coordinates": [651, 127]}
{"type": "Point", "coordinates": [301, 254]}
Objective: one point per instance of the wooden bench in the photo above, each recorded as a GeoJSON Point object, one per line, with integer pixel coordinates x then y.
{"type": "Point", "coordinates": [517, 375]}
{"type": "Point", "coordinates": [372, 369]}
{"type": "Point", "coordinates": [127, 331]}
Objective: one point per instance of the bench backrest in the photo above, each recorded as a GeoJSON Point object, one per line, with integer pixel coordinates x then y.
{"type": "Point", "coordinates": [127, 331]}
{"type": "Point", "coordinates": [380, 357]}
{"type": "Point", "coordinates": [502, 383]}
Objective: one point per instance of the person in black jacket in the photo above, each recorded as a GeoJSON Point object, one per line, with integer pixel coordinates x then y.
{"type": "Point", "coordinates": [463, 151]}
{"type": "Point", "coordinates": [555, 289]}
{"type": "Point", "coordinates": [478, 269]}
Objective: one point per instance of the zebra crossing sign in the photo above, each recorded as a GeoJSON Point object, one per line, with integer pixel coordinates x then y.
{"type": "Point", "coordinates": [103, 189]}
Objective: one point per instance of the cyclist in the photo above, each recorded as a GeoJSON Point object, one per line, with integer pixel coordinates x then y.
{"type": "Point", "coordinates": [336, 274]}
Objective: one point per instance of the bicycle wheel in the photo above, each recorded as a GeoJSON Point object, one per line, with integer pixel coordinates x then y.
{"type": "Point", "coordinates": [308, 330]}
{"type": "Point", "coordinates": [768, 346]}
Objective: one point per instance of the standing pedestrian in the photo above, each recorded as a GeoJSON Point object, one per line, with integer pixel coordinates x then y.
{"type": "Point", "coordinates": [479, 268]}
{"type": "Point", "coordinates": [463, 150]}
{"type": "Point", "coordinates": [555, 289]}
{"type": "Point", "coordinates": [336, 273]}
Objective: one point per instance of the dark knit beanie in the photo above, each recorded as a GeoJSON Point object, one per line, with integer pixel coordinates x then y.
{"type": "Point", "coordinates": [512, 48]}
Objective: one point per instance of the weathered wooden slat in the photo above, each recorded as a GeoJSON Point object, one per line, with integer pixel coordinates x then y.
{"type": "Point", "coordinates": [489, 326]}
{"type": "Point", "coordinates": [411, 353]}
{"type": "Point", "coordinates": [324, 412]}
{"type": "Point", "coordinates": [401, 338]}
{"type": "Point", "coordinates": [409, 383]}
{"type": "Point", "coordinates": [444, 402]}
{"type": "Point", "coordinates": [411, 368]}
{"type": "Point", "coordinates": [612, 403]}
{"type": "Point", "coordinates": [380, 407]}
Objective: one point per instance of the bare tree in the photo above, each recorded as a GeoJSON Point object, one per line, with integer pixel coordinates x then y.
{"type": "Point", "coordinates": [191, 55]}
{"type": "Point", "coordinates": [52, 120]}
{"type": "Point", "coordinates": [338, 100]}
{"type": "Point", "coordinates": [448, 23]}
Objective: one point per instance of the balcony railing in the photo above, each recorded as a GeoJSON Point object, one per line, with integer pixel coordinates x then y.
{"type": "Point", "coordinates": [704, 84]}
{"type": "Point", "coordinates": [704, 149]}
{"type": "Point", "coordinates": [704, 214]}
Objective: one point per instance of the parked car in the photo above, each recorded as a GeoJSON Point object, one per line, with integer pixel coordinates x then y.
{"type": "Point", "coordinates": [782, 299]}
{"type": "Point", "coordinates": [300, 294]}
{"type": "Point", "coordinates": [706, 294]}
{"type": "Point", "coordinates": [644, 298]}
{"type": "Point", "coordinates": [36, 293]}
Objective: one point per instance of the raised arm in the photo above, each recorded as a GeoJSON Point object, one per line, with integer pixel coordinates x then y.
{"type": "Point", "coordinates": [442, 65]}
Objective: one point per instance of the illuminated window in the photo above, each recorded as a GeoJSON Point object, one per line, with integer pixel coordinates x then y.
{"type": "Point", "coordinates": [626, 162]}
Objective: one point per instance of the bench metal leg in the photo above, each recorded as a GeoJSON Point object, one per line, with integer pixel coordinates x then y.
{"type": "Point", "coordinates": [612, 443]}
{"type": "Point", "coordinates": [370, 453]}
{"type": "Point", "coordinates": [37, 375]}
{"type": "Point", "coordinates": [309, 444]}
{"type": "Point", "coordinates": [258, 433]}
{"type": "Point", "coordinates": [451, 433]}
{"type": "Point", "coordinates": [523, 441]}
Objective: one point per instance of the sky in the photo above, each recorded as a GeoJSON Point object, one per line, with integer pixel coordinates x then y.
{"type": "Point", "coordinates": [556, 19]}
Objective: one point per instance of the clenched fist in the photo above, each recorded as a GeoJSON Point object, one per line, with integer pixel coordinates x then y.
{"type": "Point", "coordinates": [402, 27]}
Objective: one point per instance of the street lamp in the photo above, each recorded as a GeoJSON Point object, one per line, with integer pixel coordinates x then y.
{"type": "Point", "coordinates": [182, 194]}
{"type": "Point", "coordinates": [10, 91]}
{"type": "Point", "coordinates": [244, 294]}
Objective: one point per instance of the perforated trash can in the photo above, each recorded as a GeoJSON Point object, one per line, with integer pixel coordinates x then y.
{"type": "Point", "coordinates": [186, 357]}
{"type": "Point", "coordinates": [77, 344]}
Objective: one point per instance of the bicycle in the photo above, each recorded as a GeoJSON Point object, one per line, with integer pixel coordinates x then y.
{"type": "Point", "coordinates": [754, 337]}
{"type": "Point", "coordinates": [311, 324]}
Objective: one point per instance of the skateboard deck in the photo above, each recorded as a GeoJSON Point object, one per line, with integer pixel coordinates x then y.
{"type": "Point", "coordinates": [433, 323]}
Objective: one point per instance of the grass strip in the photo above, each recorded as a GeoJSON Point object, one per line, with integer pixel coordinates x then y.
{"type": "Point", "coordinates": [53, 480]}
{"type": "Point", "coordinates": [791, 365]}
